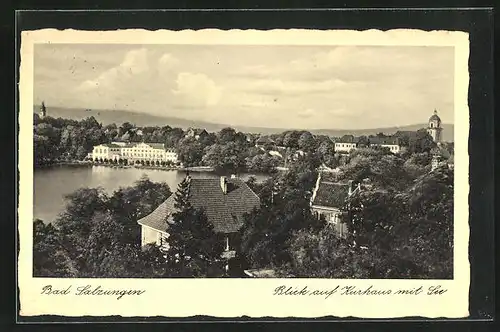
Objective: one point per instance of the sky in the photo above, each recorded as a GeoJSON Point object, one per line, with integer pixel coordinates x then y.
{"type": "Point", "coordinates": [306, 87]}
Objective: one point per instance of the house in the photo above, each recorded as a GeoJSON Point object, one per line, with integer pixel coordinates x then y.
{"type": "Point", "coordinates": [392, 143]}
{"type": "Point", "coordinates": [346, 143]}
{"type": "Point", "coordinates": [196, 133]}
{"type": "Point", "coordinates": [328, 199]}
{"type": "Point", "coordinates": [225, 202]}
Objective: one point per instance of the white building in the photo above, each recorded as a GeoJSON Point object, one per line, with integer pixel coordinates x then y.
{"type": "Point", "coordinates": [106, 151]}
{"type": "Point", "coordinates": [132, 152]}
{"type": "Point", "coordinates": [346, 143]}
{"type": "Point", "coordinates": [391, 143]}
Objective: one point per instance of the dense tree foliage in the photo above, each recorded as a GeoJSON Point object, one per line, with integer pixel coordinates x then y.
{"type": "Point", "coordinates": [284, 209]}
{"type": "Point", "coordinates": [194, 248]}
{"type": "Point", "coordinates": [97, 235]}
{"type": "Point", "coordinates": [400, 225]}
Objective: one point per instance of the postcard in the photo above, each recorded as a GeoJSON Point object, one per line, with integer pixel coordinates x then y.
{"type": "Point", "coordinates": [280, 173]}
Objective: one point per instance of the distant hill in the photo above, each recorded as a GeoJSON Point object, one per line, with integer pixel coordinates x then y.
{"type": "Point", "coordinates": [140, 119]}
{"type": "Point", "coordinates": [448, 130]}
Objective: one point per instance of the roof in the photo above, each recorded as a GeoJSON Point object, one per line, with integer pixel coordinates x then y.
{"type": "Point", "coordinates": [347, 139]}
{"type": "Point", "coordinates": [408, 133]}
{"type": "Point", "coordinates": [224, 211]}
{"type": "Point", "coordinates": [384, 140]}
{"type": "Point", "coordinates": [111, 145]}
{"type": "Point", "coordinates": [435, 117]}
{"type": "Point", "coordinates": [331, 194]}
{"type": "Point", "coordinates": [197, 131]}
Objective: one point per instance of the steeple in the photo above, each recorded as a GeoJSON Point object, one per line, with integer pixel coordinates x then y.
{"type": "Point", "coordinates": [43, 110]}
{"type": "Point", "coordinates": [434, 129]}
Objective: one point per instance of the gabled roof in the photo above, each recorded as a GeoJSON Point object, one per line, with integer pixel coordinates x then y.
{"type": "Point", "coordinates": [224, 211]}
{"type": "Point", "coordinates": [331, 194]}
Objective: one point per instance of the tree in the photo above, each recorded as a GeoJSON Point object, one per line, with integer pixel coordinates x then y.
{"type": "Point", "coordinates": [49, 257]}
{"type": "Point", "coordinates": [227, 157]}
{"type": "Point", "coordinates": [226, 135]}
{"type": "Point", "coordinates": [363, 142]}
{"type": "Point", "coordinates": [194, 248]}
{"type": "Point", "coordinates": [421, 142]}
{"type": "Point", "coordinates": [130, 204]}
{"type": "Point", "coordinates": [291, 139]}
{"type": "Point", "coordinates": [190, 151]}
{"type": "Point", "coordinates": [306, 142]}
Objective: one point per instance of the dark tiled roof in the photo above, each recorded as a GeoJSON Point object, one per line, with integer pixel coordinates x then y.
{"type": "Point", "coordinates": [402, 133]}
{"type": "Point", "coordinates": [111, 145]}
{"type": "Point", "coordinates": [347, 139]}
{"type": "Point", "coordinates": [157, 219]}
{"type": "Point", "coordinates": [331, 194]}
{"type": "Point", "coordinates": [224, 211]}
{"type": "Point", "coordinates": [384, 140]}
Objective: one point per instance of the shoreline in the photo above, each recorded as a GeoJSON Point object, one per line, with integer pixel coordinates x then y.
{"type": "Point", "coordinates": [161, 168]}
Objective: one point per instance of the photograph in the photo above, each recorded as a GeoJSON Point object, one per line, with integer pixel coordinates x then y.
{"type": "Point", "coordinates": [165, 161]}
{"type": "Point", "coordinates": [211, 160]}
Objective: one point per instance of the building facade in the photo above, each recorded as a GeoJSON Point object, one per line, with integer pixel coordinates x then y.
{"type": "Point", "coordinates": [133, 152]}
{"type": "Point", "coordinates": [391, 143]}
{"type": "Point", "coordinates": [329, 196]}
{"type": "Point", "coordinates": [346, 143]}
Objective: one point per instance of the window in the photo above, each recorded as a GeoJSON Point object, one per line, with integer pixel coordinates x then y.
{"type": "Point", "coordinates": [432, 125]}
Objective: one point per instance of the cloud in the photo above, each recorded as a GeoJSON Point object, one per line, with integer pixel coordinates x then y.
{"type": "Point", "coordinates": [306, 113]}
{"type": "Point", "coordinates": [135, 62]}
{"type": "Point", "coordinates": [166, 63]}
{"type": "Point", "coordinates": [283, 87]}
{"type": "Point", "coordinates": [197, 90]}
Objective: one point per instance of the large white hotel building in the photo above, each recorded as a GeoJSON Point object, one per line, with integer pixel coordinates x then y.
{"type": "Point", "coordinates": [134, 152]}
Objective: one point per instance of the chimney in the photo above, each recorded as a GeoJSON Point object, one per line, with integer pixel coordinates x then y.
{"type": "Point", "coordinates": [223, 184]}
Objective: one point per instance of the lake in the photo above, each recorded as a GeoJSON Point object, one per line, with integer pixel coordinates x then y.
{"type": "Point", "coordinates": [52, 184]}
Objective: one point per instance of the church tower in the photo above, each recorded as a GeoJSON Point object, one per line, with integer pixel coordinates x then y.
{"type": "Point", "coordinates": [435, 129]}
{"type": "Point", "coordinates": [43, 111]}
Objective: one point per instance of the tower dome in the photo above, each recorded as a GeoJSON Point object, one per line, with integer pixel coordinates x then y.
{"type": "Point", "coordinates": [435, 117]}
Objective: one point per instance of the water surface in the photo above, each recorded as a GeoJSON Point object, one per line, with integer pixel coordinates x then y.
{"type": "Point", "coordinates": [52, 184]}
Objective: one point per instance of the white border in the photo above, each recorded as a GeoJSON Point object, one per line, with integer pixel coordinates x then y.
{"type": "Point", "coordinates": [251, 297]}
